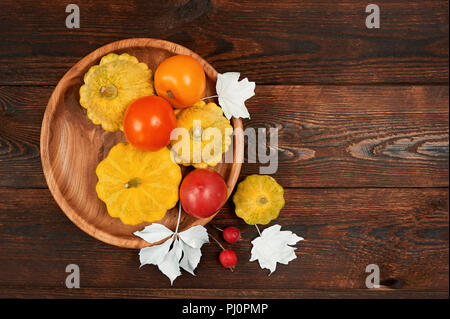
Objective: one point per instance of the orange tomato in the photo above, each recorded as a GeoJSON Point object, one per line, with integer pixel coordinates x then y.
{"type": "Point", "coordinates": [180, 80]}
{"type": "Point", "coordinates": [148, 123]}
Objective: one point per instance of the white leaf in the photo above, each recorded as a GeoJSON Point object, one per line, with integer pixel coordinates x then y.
{"type": "Point", "coordinates": [154, 254]}
{"type": "Point", "coordinates": [273, 246]}
{"type": "Point", "coordinates": [190, 259]}
{"type": "Point", "coordinates": [154, 233]}
{"type": "Point", "coordinates": [195, 236]}
{"type": "Point", "coordinates": [233, 93]}
{"type": "Point", "coordinates": [170, 265]}
{"type": "Point", "coordinates": [186, 246]}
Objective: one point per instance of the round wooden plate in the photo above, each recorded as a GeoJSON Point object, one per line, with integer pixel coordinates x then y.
{"type": "Point", "coordinates": [72, 146]}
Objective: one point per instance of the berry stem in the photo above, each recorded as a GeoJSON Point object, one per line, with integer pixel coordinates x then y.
{"type": "Point", "coordinates": [220, 245]}
{"type": "Point", "coordinates": [217, 228]}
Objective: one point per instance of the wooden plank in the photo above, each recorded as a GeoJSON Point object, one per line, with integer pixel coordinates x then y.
{"type": "Point", "coordinates": [21, 113]}
{"type": "Point", "coordinates": [293, 42]}
{"type": "Point", "coordinates": [356, 136]}
{"type": "Point", "coordinates": [404, 231]}
{"type": "Point", "coordinates": [172, 293]}
{"type": "Point", "coordinates": [329, 136]}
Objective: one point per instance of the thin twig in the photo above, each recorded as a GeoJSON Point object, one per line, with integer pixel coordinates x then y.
{"type": "Point", "coordinates": [220, 245]}
{"type": "Point", "coordinates": [258, 230]}
{"type": "Point", "coordinates": [179, 218]}
{"type": "Point", "coordinates": [217, 227]}
{"type": "Point", "coordinates": [209, 97]}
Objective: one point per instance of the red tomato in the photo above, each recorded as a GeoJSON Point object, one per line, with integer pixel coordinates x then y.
{"type": "Point", "coordinates": [180, 80]}
{"type": "Point", "coordinates": [148, 123]}
{"type": "Point", "coordinates": [202, 193]}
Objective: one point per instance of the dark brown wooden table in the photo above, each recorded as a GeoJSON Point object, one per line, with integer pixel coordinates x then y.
{"type": "Point", "coordinates": [363, 144]}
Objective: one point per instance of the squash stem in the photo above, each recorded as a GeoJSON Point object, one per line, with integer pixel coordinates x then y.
{"type": "Point", "coordinates": [109, 91]}
{"type": "Point", "coordinates": [262, 200]}
{"type": "Point", "coordinates": [134, 182]}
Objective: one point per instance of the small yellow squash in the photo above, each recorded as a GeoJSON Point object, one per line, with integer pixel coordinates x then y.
{"type": "Point", "coordinates": [258, 199]}
{"type": "Point", "coordinates": [208, 132]}
{"type": "Point", "coordinates": [111, 86]}
{"type": "Point", "coordinates": [138, 186]}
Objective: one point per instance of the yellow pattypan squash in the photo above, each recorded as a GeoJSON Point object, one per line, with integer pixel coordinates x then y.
{"type": "Point", "coordinates": [138, 186]}
{"type": "Point", "coordinates": [209, 135]}
{"type": "Point", "coordinates": [111, 86]}
{"type": "Point", "coordinates": [258, 199]}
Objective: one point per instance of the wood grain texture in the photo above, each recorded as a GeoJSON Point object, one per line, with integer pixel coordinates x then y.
{"type": "Point", "coordinates": [174, 293]}
{"type": "Point", "coordinates": [292, 42]}
{"type": "Point", "coordinates": [404, 231]}
{"type": "Point", "coordinates": [72, 146]}
{"type": "Point", "coordinates": [337, 137]}
{"type": "Point", "coordinates": [329, 136]}
{"type": "Point", "coordinates": [21, 113]}
{"type": "Point", "coordinates": [356, 136]}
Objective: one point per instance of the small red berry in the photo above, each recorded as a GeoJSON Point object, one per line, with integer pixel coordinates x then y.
{"type": "Point", "coordinates": [231, 234]}
{"type": "Point", "coordinates": [228, 258]}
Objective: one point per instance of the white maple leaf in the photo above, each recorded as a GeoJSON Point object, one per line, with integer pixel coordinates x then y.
{"type": "Point", "coordinates": [274, 246]}
{"type": "Point", "coordinates": [179, 250]}
{"type": "Point", "coordinates": [232, 94]}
